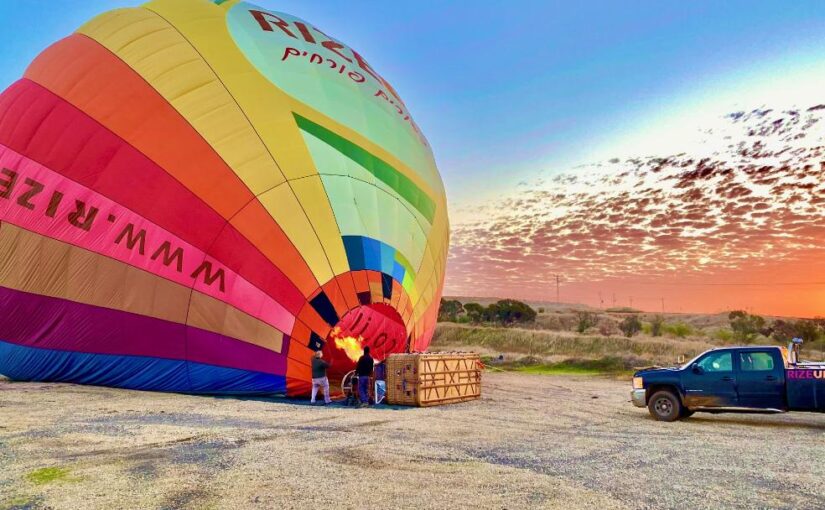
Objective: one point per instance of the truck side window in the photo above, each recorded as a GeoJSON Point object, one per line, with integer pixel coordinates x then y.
{"type": "Point", "coordinates": [717, 362]}
{"type": "Point", "coordinates": [756, 361]}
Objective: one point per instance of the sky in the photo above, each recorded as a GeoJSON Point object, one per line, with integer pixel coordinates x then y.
{"type": "Point", "coordinates": [502, 93]}
{"type": "Point", "coordinates": [510, 95]}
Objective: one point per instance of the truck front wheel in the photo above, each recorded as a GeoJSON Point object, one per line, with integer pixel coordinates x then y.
{"type": "Point", "coordinates": [665, 406]}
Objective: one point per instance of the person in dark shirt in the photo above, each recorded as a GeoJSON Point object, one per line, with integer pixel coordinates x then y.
{"type": "Point", "coordinates": [319, 377]}
{"type": "Point", "coordinates": [364, 371]}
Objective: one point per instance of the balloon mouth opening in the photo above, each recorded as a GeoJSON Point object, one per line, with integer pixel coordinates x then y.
{"type": "Point", "coordinates": [377, 326]}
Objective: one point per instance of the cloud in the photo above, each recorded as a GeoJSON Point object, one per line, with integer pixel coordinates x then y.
{"type": "Point", "coordinates": [657, 220]}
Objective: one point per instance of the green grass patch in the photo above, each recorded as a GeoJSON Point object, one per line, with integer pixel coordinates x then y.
{"type": "Point", "coordinates": [601, 366]}
{"type": "Point", "coordinates": [47, 475]}
{"type": "Point", "coordinates": [557, 370]}
{"type": "Point", "coordinates": [723, 335]}
{"type": "Point", "coordinates": [678, 329]}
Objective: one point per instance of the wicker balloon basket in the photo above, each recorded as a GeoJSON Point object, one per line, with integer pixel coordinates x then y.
{"type": "Point", "coordinates": [429, 379]}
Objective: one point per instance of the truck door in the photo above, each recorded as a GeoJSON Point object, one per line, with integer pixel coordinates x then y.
{"type": "Point", "coordinates": [761, 379]}
{"type": "Point", "coordinates": [711, 381]}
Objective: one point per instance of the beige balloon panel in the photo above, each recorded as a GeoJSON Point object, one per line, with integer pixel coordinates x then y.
{"type": "Point", "coordinates": [33, 263]}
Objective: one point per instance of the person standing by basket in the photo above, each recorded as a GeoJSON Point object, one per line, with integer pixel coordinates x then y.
{"type": "Point", "coordinates": [319, 377]}
{"type": "Point", "coordinates": [364, 372]}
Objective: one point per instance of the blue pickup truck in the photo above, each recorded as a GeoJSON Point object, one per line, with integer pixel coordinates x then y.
{"type": "Point", "coordinates": [734, 379]}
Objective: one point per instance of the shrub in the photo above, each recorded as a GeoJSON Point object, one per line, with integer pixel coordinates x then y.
{"type": "Point", "coordinates": [541, 309]}
{"type": "Point", "coordinates": [807, 330]}
{"type": "Point", "coordinates": [475, 312]}
{"type": "Point", "coordinates": [745, 326]}
{"type": "Point", "coordinates": [630, 325]}
{"type": "Point", "coordinates": [678, 329]}
{"type": "Point", "coordinates": [449, 310]}
{"type": "Point", "coordinates": [585, 321]}
{"type": "Point", "coordinates": [723, 335]}
{"type": "Point", "coordinates": [608, 327]}
{"type": "Point", "coordinates": [506, 311]}
{"type": "Point", "coordinates": [657, 325]}
{"type": "Point", "coordinates": [783, 331]}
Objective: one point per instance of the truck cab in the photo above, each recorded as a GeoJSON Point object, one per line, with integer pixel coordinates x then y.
{"type": "Point", "coordinates": [733, 379]}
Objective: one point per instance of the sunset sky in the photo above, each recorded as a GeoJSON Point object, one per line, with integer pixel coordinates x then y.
{"type": "Point", "coordinates": [739, 227]}
{"type": "Point", "coordinates": [544, 117]}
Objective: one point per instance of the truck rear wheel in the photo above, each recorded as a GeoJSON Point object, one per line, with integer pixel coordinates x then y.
{"type": "Point", "coordinates": [665, 406]}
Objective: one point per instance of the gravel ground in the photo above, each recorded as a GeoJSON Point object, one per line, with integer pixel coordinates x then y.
{"type": "Point", "coordinates": [531, 442]}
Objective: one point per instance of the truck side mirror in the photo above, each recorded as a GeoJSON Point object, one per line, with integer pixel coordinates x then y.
{"type": "Point", "coordinates": [697, 369]}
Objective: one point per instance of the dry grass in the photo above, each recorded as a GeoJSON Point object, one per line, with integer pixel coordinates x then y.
{"type": "Point", "coordinates": [552, 338]}
{"type": "Point", "coordinates": [566, 319]}
{"type": "Point", "coordinates": [553, 345]}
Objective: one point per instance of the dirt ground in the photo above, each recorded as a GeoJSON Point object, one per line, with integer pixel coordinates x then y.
{"type": "Point", "coordinates": [531, 442]}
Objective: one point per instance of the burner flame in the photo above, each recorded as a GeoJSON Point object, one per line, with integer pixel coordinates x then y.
{"type": "Point", "coordinates": [352, 346]}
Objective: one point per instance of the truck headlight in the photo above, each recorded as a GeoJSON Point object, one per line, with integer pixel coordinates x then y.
{"type": "Point", "coordinates": [638, 383]}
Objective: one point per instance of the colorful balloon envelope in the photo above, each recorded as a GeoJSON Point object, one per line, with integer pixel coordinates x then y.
{"type": "Point", "coordinates": [197, 195]}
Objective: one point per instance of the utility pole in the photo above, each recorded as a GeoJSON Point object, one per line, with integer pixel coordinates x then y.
{"type": "Point", "coordinates": [631, 301]}
{"type": "Point", "coordinates": [663, 305]}
{"type": "Point", "coordinates": [614, 300]}
{"type": "Point", "coordinates": [601, 301]}
{"type": "Point", "coordinates": [558, 280]}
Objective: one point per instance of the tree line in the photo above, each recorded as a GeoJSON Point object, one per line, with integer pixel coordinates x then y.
{"type": "Point", "coordinates": [505, 312]}
{"type": "Point", "coordinates": [748, 327]}
{"type": "Point", "coordinates": [744, 327]}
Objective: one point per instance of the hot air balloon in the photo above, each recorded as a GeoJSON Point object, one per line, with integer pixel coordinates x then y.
{"type": "Point", "coordinates": [196, 195]}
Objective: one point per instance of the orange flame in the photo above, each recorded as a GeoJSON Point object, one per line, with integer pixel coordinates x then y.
{"type": "Point", "coordinates": [351, 346]}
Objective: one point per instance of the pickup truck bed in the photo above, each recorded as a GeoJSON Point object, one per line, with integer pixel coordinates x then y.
{"type": "Point", "coordinates": [806, 388]}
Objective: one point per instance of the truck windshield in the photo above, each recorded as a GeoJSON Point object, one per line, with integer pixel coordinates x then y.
{"type": "Point", "coordinates": [718, 362]}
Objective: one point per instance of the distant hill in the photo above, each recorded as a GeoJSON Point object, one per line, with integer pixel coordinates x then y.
{"type": "Point", "coordinates": [567, 311]}
{"type": "Point", "coordinates": [549, 306]}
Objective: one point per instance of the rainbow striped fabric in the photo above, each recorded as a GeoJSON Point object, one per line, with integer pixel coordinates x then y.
{"type": "Point", "coordinates": [194, 194]}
